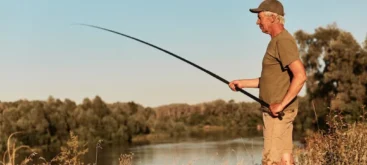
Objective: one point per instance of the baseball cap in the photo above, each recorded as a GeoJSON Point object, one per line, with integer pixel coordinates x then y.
{"type": "Point", "coordinates": [270, 5]}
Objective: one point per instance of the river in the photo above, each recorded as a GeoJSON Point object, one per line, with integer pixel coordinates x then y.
{"type": "Point", "coordinates": [241, 151]}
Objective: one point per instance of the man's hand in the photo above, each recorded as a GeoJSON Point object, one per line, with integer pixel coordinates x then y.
{"type": "Point", "coordinates": [275, 108]}
{"type": "Point", "coordinates": [235, 83]}
{"type": "Point", "coordinates": [244, 83]}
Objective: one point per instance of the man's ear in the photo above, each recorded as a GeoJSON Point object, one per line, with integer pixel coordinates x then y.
{"type": "Point", "coordinates": [273, 18]}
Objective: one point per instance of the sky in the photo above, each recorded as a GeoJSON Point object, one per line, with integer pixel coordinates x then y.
{"type": "Point", "coordinates": [45, 53]}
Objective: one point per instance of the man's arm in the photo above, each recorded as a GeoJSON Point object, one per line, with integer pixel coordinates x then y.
{"type": "Point", "coordinates": [244, 83]}
{"type": "Point", "coordinates": [299, 78]}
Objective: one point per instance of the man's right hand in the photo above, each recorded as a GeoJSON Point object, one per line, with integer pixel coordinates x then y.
{"type": "Point", "coordinates": [235, 83]}
{"type": "Point", "coordinates": [244, 83]}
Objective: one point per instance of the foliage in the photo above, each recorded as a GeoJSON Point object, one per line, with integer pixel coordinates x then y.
{"type": "Point", "coordinates": [49, 123]}
{"type": "Point", "coordinates": [336, 66]}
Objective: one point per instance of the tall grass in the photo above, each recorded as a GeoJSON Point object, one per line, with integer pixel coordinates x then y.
{"type": "Point", "coordinates": [12, 149]}
{"type": "Point", "coordinates": [126, 159]}
{"type": "Point", "coordinates": [71, 154]}
{"type": "Point", "coordinates": [342, 144]}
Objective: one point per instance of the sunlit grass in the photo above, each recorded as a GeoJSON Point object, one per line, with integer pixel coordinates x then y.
{"type": "Point", "coordinates": [343, 143]}
{"type": "Point", "coordinates": [12, 149]}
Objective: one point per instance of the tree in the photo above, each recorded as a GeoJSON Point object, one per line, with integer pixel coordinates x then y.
{"type": "Point", "coordinates": [336, 65]}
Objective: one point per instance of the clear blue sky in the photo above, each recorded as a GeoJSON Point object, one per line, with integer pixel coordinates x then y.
{"type": "Point", "coordinates": [43, 54]}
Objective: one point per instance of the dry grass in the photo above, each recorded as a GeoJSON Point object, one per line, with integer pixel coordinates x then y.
{"type": "Point", "coordinates": [126, 159]}
{"type": "Point", "coordinates": [343, 144]}
{"type": "Point", "coordinates": [339, 148]}
{"type": "Point", "coordinates": [70, 154]}
{"type": "Point", "coordinates": [12, 149]}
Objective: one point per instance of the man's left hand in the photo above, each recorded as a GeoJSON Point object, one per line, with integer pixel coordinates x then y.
{"type": "Point", "coordinates": [275, 108]}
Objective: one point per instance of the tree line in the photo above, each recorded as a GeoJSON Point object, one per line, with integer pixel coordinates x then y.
{"type": "Point", "coordinates": [47, 124]}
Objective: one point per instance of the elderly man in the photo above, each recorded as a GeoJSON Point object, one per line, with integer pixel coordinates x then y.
{"type": "Point", "coordinates": [282, 77]}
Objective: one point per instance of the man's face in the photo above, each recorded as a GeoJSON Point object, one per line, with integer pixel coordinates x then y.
{"type": "Point", "coordinates": [264, 22]}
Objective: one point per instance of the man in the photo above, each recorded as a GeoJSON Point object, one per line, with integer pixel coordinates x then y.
{"type": "Point", "coordinates": [282, 77]}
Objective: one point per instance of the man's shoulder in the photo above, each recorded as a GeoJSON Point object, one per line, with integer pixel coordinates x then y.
{"type": "Point", "coordinates": [284, 36]}
{"type": "Point", "coordinates": [285, 40]}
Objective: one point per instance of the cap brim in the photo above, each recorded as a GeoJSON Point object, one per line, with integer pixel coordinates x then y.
{"type": "Point", "coordinates": [256, 10]}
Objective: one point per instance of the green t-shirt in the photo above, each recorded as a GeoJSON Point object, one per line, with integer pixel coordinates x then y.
{"type": "Point", "coordinates": [275, 75]}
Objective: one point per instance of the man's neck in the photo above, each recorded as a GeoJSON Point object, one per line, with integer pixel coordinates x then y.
{"type": "Point", "coordinates": [276, 29]}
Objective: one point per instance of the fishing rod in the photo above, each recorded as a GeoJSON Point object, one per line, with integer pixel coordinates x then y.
{"type": "Point", "coordinates": [280, 114]}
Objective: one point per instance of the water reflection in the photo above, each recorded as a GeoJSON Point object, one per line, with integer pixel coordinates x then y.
{"type": "Point", "coordinates": [202, 152]}
{"type": "Point", "coordinates": [241, 150]}
{"type": "Point", "coordinates": [211, 149]}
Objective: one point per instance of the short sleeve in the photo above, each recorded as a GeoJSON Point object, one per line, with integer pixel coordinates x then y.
{"type": "Point", "coordinates": [287, 52]}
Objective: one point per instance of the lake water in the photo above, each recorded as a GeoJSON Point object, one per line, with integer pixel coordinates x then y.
{"type": "Point", "coordinates": [241, 151]}
{"type": "Point", "coordinates": [200, 153]}
{"type": "Point", "coordinates": [186, 151]}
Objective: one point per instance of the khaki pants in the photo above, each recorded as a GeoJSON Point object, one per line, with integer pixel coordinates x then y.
{"type": "Point", "coordinates": [278, 135]}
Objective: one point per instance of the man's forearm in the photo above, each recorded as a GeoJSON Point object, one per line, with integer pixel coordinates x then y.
{"type": "Point", "coordinates": [295, 87]}
{"type": "Point", "coordinates": [250, 83]}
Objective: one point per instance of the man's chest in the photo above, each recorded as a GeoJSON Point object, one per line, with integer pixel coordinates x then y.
{"type": "Point", "coordinates": [271, 56]}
